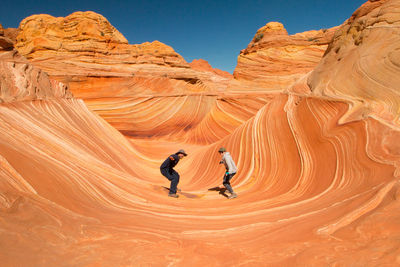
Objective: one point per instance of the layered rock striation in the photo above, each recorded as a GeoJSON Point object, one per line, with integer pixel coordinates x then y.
{"type": "Point", "coordinates": [86, 37]}
{"type": "Point", "coordinates": [85, 52]}
{"type": "Point", "coordinates": [85, 44]}
{"type": "Point", "coordinates": [274, 59]}
{"type": "Point", "coordinates": [361, 64]}
{"type": "Point", "coordinates": [20, 81]}
{"type": "Point", "coordinates": [318, 185]}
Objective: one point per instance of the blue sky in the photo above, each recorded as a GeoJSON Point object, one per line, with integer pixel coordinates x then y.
{"type": "Point", "coordinates": [209, 29]}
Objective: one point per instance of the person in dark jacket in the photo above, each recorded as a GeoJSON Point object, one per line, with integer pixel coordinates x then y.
{"type": "Point", "coordinates": [231, 170]}
{"type": "Point", "coordinates": [167, 170]}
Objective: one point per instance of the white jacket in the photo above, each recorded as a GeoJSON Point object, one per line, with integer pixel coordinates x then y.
{"type": "Point", "coordinates": [229, 163]}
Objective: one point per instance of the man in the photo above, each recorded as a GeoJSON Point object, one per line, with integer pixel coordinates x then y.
{"type": "Point", "coordinates": [230, 170]}
{"type": "Point", "coordinates": [167, 170]}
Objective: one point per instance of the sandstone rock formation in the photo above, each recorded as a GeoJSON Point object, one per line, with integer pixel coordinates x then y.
{"type": "Point", "coordinates": [318, 184]}
{"type": "Point", "coordinates": [90, 46]}
{"type": "Point", "coordinates": [85, 52]}
{"type": "Point", "coordinates": [203, 65]}
{"type": "Point", "coordinates": [20, 81]}
{"type": "Point", "coordinates": [274, 59]}
{"type": "Point", "coordinates": [361, 65]}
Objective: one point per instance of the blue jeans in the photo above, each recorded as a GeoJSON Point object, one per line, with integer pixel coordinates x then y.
{"type": "Point", "coordinates": [173, 176]}
{"type": "Point", "coordinates": [226, 182]}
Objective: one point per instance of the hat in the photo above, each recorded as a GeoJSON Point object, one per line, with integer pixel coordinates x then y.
{"type": "Point", "coordinates": [222, 149]}
{"type": "Point", "coordinates": [181, 151]}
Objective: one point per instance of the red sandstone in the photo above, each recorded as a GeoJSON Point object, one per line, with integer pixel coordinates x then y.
{"type": "Point", "coordinates": [317, 153]}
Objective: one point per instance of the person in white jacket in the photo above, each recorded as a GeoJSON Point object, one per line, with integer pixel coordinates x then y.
{"type": "Point", "coordinates": [230, 170]}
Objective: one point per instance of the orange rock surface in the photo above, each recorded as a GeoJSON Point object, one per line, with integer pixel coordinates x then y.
{"type": "Point", "coordinates": [20, 81]}
{"type": "Point", "coordinates": [318, 183]}
{"type": "Point", "coordinates": [85, 52]}
{"type": "Point", "coordinates": [362, 63]}
{"type": "Point", "coordinates": [274, 60]}
{"type": "Point", "coordinates": [203, 65]}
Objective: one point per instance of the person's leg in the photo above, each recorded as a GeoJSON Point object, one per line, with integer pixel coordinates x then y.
{"type": "Point", "coordinates": [227, 183]}
{"type": "Point", "coordinates": [165, 173]}
{"type": "Point", "coordinates": [173, 177]}
{"type": "Point", "coordinates": [174, 182]}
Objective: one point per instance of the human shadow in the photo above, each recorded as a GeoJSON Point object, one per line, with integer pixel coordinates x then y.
{"type": "Point", "coordinates": [167, 188]}
{"type": "Point", "coordinates": [220, 190]}
{"type": "Point", "coordinates": [186, 194]}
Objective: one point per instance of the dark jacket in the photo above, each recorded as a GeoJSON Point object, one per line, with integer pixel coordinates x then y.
{"type": "Point", "coordinates": [170, 162]}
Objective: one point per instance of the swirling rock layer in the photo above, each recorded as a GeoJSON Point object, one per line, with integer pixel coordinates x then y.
{"type": "Point", "coordinates": [318, 183]}
{"type": "Point", "coordinates": [274, 59]}
{"type": "Point", "coordinates": [20, 81]}
{"type": "Point", "coordinates": [88, 192]}
{"type": "Point", "coordinates": [86, 53]}
{"type": "Point", "coordinates": [362, 64]}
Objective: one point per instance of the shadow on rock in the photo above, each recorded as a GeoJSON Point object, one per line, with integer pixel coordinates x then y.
{"type": "Point", "coordinates": [220, 190]}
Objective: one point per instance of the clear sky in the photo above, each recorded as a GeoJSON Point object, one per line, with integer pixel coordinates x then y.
{"type": "Point", "coordinates": [209, 29]}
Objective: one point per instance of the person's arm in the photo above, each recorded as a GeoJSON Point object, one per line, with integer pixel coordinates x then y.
{"type": "Point", "coordinates": [168, 163]}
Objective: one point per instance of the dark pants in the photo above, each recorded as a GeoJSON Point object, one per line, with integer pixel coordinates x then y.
{"type": "Point", "coordinates": [173, 176]}
{"type": "Point", "coordinates": [226, 182]}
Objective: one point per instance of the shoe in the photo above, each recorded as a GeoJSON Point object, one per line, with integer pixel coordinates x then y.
{"type": "Point", "coordinates": [233, 195]}
{"type": "Point", "coordinates": [173, 195]}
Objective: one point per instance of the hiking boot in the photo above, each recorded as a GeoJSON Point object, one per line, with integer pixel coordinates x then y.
{"type": "Point", "coordinates": [233, 195]}
{"type": "Point", "coordinates": [173, 195]}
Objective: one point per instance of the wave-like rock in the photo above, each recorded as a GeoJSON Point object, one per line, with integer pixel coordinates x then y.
{"type": "Point", "coordinates": [193, 118]}
{"type": "Point", "coordinates": [86, 53]}
{"type": "Point", "coordinates": [362, 64]}
{"type": "Point", "coordinates": [73, 188]}
{"type": "Point", "coordinates": [315, 187]}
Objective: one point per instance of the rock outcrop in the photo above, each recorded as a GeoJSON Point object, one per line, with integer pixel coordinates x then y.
{"type": "Point", "coordinates": [274, 60]}
{"type": "Point", "coordinates": [20, 81]}
{"type": "Point", "coordinates": [85, 44]}
{"type": "Point", "coordinates": [85, 52]}
{"type": "Point", "coordinates": [203, 65]}
{"type": "Point", "coordinates": [362, 64]}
